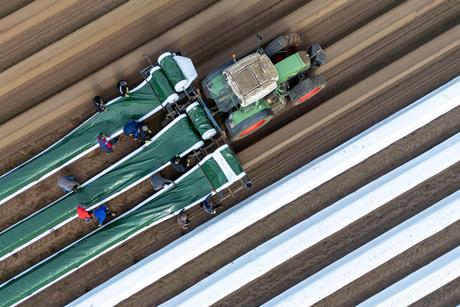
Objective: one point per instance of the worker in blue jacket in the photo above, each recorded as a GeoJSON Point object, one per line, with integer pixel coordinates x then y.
{"type": "Point", "coordinates": [137, 130]}
{"type": "Point", "coordinates": [100, 214]}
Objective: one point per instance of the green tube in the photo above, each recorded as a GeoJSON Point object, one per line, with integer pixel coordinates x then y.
{"type": "Point", "coordinates": [172, 71]}
{"type": "Point", "coordinates": [162, 87]}
{"type": "Point", "coordinates": [200, 121]}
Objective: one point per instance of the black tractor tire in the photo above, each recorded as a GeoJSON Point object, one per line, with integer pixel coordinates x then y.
{"type": "Point", "coordinates": [317, 55]}
{"type": "Point", "coordinates": [282, 44]}
{"type": "Point", "coordinates": [99, 103]}
{"type": "Point", "coordinates": [249, 125]}
{"type": "Point", "coordinates": [306, 89]}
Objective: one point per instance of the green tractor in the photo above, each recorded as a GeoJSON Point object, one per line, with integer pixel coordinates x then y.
{"type": "Point", "coordinates": [249, 92]}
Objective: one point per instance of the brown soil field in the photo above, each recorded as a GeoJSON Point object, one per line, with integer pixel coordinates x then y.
{"type": "Point", "coordinates": [383, 55]}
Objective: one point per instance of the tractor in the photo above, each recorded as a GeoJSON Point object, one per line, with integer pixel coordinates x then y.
{"type": "Point", "coordinates": [248, 92]}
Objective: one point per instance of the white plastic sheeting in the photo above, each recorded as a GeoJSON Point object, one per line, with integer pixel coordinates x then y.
{"type": "Point", "coordinates": [420, 283]}
{"type": "Point", "coordinates": [372, 255]}
{"type": "Point", "coordinates": [271, 199]}
{"type": "Point", "coordinates": [319, 226]}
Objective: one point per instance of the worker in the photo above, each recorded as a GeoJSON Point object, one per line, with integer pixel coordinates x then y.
{"type": "Point", "coordinates": [137, 130]}
{"type": "Point", "coordinates": [100, 214]}
{"type": "Point", "coordinates": [158, 182]}
{"type": "Point", "coordinates": [207, 205]}
{"type": "Point", "coordinates": [68, 183]}
{"type": "Point", "coordinates": [105, 143]}
{"type": "Point", "coordinates": [99, 103]}
{"type": "Point", "coordinates": [182, 220]}
{"type": "Point", "coordinates": [123, 89]}
{"type": "Point", "coordinates": [83, 213]}
{"type": "Point", "coordinates": [178, 164]}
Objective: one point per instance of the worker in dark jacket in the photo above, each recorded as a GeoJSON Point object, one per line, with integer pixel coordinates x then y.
{"type": "Point", "coordinates": [179, 164]}
{"type": "Point", "coordinates": [137, 130]}
{"type": "Point", "coordinates": [207, 205]}
{"type": "Point", "coordinates": [100, 214]}
{"type": "Point", "coordinates": [122, 87]}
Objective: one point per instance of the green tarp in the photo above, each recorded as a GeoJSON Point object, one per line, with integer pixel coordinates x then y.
{"type": "Point", "coordinates": [191, 188]}
{"type": "Point", "coordinates": [141, 102]}
{"type": "Point", "coordinates": [177, 138]}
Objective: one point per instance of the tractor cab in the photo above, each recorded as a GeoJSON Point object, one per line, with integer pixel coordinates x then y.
{"type": "Point", "coordinates": [252, 78]}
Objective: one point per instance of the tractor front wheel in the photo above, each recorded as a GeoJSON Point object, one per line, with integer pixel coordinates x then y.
{"type": "Point", "coordinates": [279, 48]}
{"type": "Point", "coordinates": [306, 89]}
{"type": "Point", "coordinates": [249, 125]}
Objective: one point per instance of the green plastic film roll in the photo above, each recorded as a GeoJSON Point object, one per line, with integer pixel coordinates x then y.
{"type": "Point", "coordinates": [162, 87]}
{"type": "Point", "coordinates": [172, 71]}
{"type": "Point", "coordinates": [200, 121]}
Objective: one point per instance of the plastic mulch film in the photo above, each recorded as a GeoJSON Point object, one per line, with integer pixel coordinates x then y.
{"type": "Point", "coordinates": [172, 71]}
{"type": "Point", "coordinates": [176, 138]}
{"type": "Point", "coordinates": [201, 121]}
{"type": "Point", "coordinates": [190, 189]}
{"type": "Point", "coordinates": [141, 103]}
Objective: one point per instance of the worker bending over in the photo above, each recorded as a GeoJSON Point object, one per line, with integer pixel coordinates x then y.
{"type": "Point", "coordinates": [68, 183]}
{"type": "Point", "coordinates": [137, 130]}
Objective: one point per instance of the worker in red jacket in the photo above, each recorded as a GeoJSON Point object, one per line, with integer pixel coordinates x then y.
{"type": "Point", "coordinates": [83, 213]}
{"type": "Point", "coordinates": [105, 143]}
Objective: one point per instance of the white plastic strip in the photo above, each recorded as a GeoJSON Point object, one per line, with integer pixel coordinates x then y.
{"type": "Point", "coordinates": [170, 186]}
{"type": "Point", "coordinates": [325, 223]}
{"type": "Point", "coordinates": [226, 169]}
{"type": "Point", "coordinates": [194, 147]}
{"type": "Point", "coordinates": [269, 200]}
{"type": "Point", "coordinates": [420, 283]}
{"type": "Point", "coordinates": [372, 255]}
{"type": "Point", "coordinates": [82, 154]}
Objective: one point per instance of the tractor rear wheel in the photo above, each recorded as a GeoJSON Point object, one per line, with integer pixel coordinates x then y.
{"type": "Point", "coordinates": [279, 48]}
{"type": "Point", "coordinates": [249, 125]}
{"type": "Point", "coordinates": [306, 89]}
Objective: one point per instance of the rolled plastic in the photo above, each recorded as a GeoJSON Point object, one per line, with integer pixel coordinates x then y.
{"type": "Point", "coordinates": [200, 121]}
{"type": "Point", "coordinates": [173, 72]}
{"type": "Point", "coordinates": [162, 87]}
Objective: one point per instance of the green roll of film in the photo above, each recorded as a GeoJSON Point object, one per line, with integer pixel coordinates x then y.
{"type": "Point", "coordinates": [200, 121]}
{"type": "Point", "coordinates": [162, 87]}
{"type": "Point", "coordinates": [172, 71]}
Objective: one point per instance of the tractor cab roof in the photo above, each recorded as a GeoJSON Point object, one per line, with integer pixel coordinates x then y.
{"type": "Point", "coordinates": [252, 78]}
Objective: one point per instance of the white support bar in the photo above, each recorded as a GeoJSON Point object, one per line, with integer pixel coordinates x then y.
{"type": "Point", "coordinates": [372, 255]}
{"type": "Point", "coordinates": [420, 283]}
{"type": "Point", "coordinates": [269, 200]}
{"type": "Point", "coordinates": [318, 227]}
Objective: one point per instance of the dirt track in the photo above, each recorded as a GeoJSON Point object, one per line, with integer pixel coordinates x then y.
{"type": "Point", "coordinates": [360, 92]}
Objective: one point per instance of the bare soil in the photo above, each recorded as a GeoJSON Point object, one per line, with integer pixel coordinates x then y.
{"type": "Point", "coordinates": [94, 68]}
{"type": "Point", "coordinates": [46, 26]}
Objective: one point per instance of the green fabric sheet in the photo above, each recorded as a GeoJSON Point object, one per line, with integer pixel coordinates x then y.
{"type": "Point", "coordinates": [161, 85]}
{"type": "Point", "coordinates": [174, 139]}
{"type": "Point", "coordinates": [141, 102]}
{"type": "Point", "coordinates": [172, 70]}
{"type": "Point", "coordinates": [194, 186]}
{"type": "Point", "coordinates": [200, 120]}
